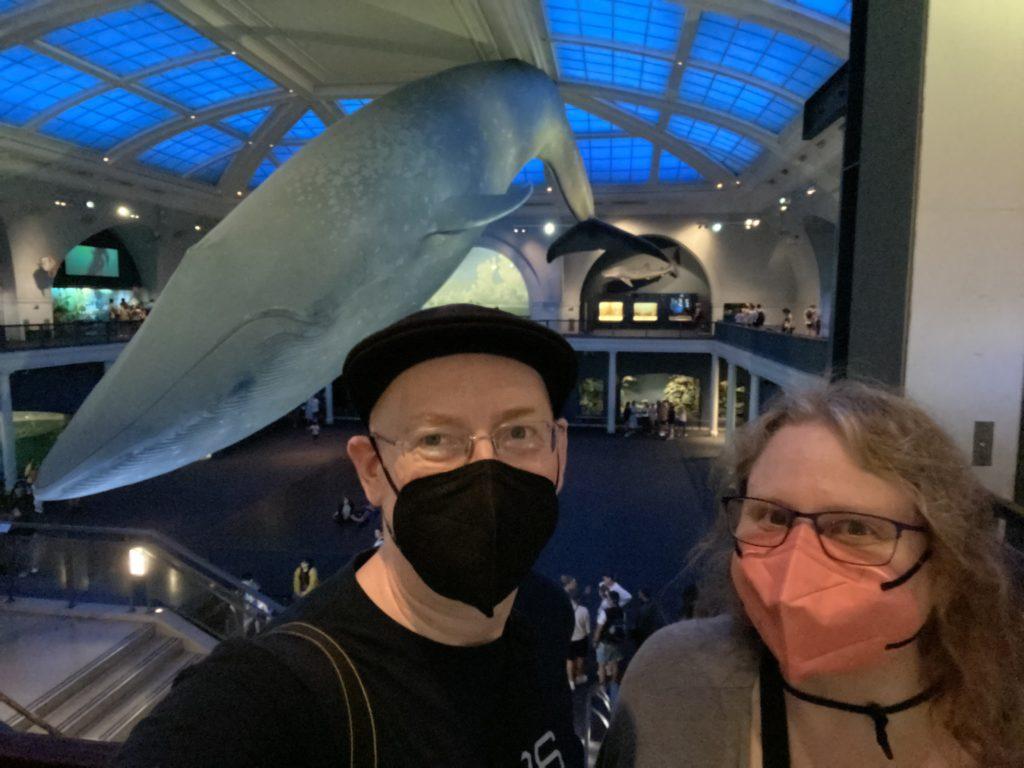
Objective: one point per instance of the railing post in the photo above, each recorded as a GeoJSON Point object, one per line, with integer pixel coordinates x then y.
{"type": "Point", "coordinates": [754, 397]}
{"type": "Point", "coordinates": [7, 443]}
{"type": "Point", "coordinates": [611, 392]}
{"type": "Point", "coordinates": [329, 404]}
{"type": "Point", "coordinates": [713, 397]}
{"type": "Point", "coordinates": [730, 400]}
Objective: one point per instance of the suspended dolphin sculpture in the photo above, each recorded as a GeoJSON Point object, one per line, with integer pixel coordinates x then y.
{"type": "Point", "coordinates": [357, 230]}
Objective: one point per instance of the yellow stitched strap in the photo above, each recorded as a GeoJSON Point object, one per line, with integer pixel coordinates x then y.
{"type": "Point", "coordinates": [318, 637]}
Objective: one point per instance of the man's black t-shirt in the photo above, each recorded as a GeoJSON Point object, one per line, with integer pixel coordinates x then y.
{"type": "Point", "coordinates": [498, 704]}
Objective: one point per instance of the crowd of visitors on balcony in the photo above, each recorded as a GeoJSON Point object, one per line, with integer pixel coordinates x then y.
{"type": "Point", "coordinates": [126, 312]}
{"type": "Point", "coordinates": [753, 315]}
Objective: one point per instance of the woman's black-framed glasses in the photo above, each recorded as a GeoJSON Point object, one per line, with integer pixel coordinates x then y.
{"type": "Point", "coordinates": [849, 537]}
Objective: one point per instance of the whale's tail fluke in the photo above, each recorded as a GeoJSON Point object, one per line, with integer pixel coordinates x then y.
{"type": "Point", "coordinates": [594, 234]}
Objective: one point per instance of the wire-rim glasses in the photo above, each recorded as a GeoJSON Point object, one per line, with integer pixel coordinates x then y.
{"type": "Point", "coordinates": [514, 442]}
{"type": "Point", "coordinates": [849, 537]}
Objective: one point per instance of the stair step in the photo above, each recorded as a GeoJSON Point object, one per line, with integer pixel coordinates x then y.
{"type": "Point", "coordinates": [86, 677]}
{"type": "Point", "coordinates": [119, 687]}
{"type": "Point", "coordinates": [119, 723]}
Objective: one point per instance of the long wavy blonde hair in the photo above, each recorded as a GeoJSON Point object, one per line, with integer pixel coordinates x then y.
{"type": "Point", "coordinates": [973, 644]}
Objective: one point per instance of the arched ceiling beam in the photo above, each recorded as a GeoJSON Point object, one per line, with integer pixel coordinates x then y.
{"type": "Point", "coordinates": [98, 72]}
{"type": "Point", "coordinates": [834, 37]}
{"type": "Point", "coordinates": [21, 27]}
{"type": "Point", "coordinates": [686, 35]}
{"type": "Point", "coordinates": [237, 176]}
{"type": "Point", "coordinates": [767, 139]}
{"type": "Point", "coordinates": [137, 143]}
{"type": "Point", "coordinates": [745, 77]}
{"type": "Point", "coordinates": [612, 45]}
{"type": "Point", "coordinates": [206, 163]}
{"type": "Point", "coordinates": [711, 170]}
{"type": "Point", "coordinates": [111, 81]}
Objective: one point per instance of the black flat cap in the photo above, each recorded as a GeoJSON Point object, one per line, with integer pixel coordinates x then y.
{"type": "Point", "coordinates": [456, 329]}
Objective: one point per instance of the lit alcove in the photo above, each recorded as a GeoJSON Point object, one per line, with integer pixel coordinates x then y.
{"type": "Point", "coordinates": [486, 278]}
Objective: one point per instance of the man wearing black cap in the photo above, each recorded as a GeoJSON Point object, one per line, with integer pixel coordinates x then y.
{"type": "Point", "coordinates": [415, 655]}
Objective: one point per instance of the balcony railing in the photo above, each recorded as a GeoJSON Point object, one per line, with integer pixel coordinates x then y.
{"type": "Point", "coordinates": [805, 353]}
{"type": "Point", "coordinates": [575, 328]}
{"type": "Point", "coordinates": [141, 569]}
{"type": "Point", "coordinates": [45, 336]}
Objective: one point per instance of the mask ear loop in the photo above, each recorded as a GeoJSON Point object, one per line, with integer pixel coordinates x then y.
{"type": "Point", "coordinates": [387, 475]}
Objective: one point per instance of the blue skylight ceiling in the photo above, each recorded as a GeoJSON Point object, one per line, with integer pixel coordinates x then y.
{"type": "Point", "coordinates": [205, 83]}
{"type": "Point", "coordinates": [309, 126]}
{"type": "Point", "coordinates": [130, 40]}
{"type": "Point", "coordinates": [594, 64]}
{"type": "Point", "coordinates": [841, 10]}
{"type": "Point", "coordinates": [644, 113]}
{"type": "Point", "coordinates": [582, 122]}
{"type": "Point", "coordinates": [531, 173]}
{"type": "Point", "coordinates": [776, 57]}
{"type": "Point", "coordinates": [734, 97]}
{"type": "Point", "coordinates": [349, 106]}
{"type": "Point", "coordinates": [211, 173]}
{"type": "Point", "coordinates": [247, 122]}
{"type": "Point", "coordinates": [617, 160]}
{"type": "Point", "coordinates": [262, 173]}
{"type": "Point", "coordinates": [107, 119]}
{"type": "Point", "coordinates": [652, 24]}
{"type": "Point", "coordinates": [189, 149]}
{"type": "Point", "coordinates": [733, 151]}
{"type": "Point", "coordinates": [672, 169]}
{"type": "Point", "coordinates": [31, 83]}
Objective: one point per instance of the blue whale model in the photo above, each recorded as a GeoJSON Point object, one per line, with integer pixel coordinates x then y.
{"type": "Point", "coordinates": [357, 230]}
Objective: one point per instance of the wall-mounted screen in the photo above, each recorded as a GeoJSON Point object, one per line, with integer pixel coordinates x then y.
{"type": "Point", "coordinates": [680, 308]}
{"type": "Point", "coordinates": [92, 261]}
{"type": "Point", "coordinates": [610, 312]}
{"type": "Point", "coordinates": [645, 312]}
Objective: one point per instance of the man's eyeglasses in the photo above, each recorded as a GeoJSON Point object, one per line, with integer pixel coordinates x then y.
{"type": "Point", "coordinates": [849, 537]}
{"type": "Point", "coordinates": [515, 442]}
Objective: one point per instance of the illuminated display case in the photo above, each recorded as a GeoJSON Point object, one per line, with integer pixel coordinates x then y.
{"type": "Point", "coordinates": [610, 312]}
{"type": "Point", "coordinates": [645, 311]}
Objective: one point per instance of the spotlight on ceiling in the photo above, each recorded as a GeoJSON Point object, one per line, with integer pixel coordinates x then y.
{"type": "Point", "coordinates": [811, 191]}
{"type": "Point", "coordinates": [549, 228]}
{"type": "Point", "coordinates": [783, 201]}
{"type": "Point", "coordinates": [783, 208]}
{"type": "Point", "coordinates": [757, 222]}
{"type": "Point", "coordinates": [719, 185]}
{"type": "Point", "coordinates": [124, 211]}
{"type": "Point", "coordinates": [551, 189]}
{"type": "Point", "coordinates": [748, 223]}
{"type": "Point", "coordinates": [238, 193]}
{"type": "Point", "coordinates": [106, 159]}
{"type": "Point", "coordinates": [716, 227]}
{"type": "Point", "coordinates": [90, 204]}
{"type": "Point", "coordinates": [197, 228]}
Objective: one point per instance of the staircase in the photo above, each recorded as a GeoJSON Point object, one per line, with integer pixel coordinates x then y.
{"type": "Point", "coordinates": [104, 700]}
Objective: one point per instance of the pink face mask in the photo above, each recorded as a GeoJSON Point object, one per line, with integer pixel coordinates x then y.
{"type": "Point", "coordinates": [820, 616]}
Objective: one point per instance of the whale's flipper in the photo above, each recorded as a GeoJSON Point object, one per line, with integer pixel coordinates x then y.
{"type": "Point", "coordinates": [464, 212]}
{"type": "Point", "coordinates": [593, 234]}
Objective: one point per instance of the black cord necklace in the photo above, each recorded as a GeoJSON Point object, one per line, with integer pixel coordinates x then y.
{"type": "Point", "coordinates": [878, 714]}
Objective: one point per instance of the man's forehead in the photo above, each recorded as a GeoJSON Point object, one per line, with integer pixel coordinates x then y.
{"type": "Point", "coordinates": [446, 386]}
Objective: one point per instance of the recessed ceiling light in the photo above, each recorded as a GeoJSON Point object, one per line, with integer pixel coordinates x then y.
{"type": "Point", "coordinates": [238, 193]}
{"type": "Point", "coordinates": [811, 191]}
{"type": "Point", "coordinates": [716, 227]}
{"type": "Point", "coordinates": [550, 189]}
{"type": "Point", "coordinates": [90, 204]}
{"type": "Point", "coordinates": [549, 228]}
{"type": "Point", "coordinates": [106, 159]}
{"type": "Point", "coordinates": [719, 185]}
{"type": "Point", "coordinates": [123, 211]}
{"type": "Point", "coordinates": [198, 228]}
{"type": "Point", "coordinates": [783, 207]}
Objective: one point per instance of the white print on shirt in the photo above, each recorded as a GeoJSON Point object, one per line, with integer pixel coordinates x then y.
{"type": "Point", "coordinates": [551, 759]}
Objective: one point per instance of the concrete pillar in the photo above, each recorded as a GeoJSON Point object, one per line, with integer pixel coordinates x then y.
{"type": "Point", "coordinates": [329, 404]}
{"type": "Point", "coordinates": [712, 399]}
{"type": "Point", "coordinates": [612, 391]}
{"type": "Point", "coordinates": [7, 432]}
{"type": "Point", "coordinates": [730, 400]}
{"type": "Point", "coordinates": [754, 398]}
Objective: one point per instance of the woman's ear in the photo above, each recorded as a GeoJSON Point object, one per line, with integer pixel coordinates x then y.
{"type": "Point", "coordinates": [368, 467]}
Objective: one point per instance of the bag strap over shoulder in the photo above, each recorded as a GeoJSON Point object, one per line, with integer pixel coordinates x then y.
{"type": "Point", "coordinates": [362, 730]}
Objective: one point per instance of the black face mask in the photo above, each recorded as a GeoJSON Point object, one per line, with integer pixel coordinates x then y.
{"type": "Point", "coordinates": [473, 533]}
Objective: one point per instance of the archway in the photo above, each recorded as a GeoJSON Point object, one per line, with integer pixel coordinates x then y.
{"type": "Point", "coordinates": [488, 278]}
{"type": "Point", "coordinates": [629, 290]}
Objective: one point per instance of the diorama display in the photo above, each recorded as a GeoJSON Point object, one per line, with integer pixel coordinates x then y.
{"type": "Point", "coordinates": [382, 207]}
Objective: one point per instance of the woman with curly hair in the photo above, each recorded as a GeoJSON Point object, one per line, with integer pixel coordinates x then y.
{"type": "Point", "coordinates": [871, 618]}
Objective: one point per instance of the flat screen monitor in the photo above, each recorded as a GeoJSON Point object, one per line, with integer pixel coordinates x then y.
{"type": "Point", "coordinates": [92, 261]}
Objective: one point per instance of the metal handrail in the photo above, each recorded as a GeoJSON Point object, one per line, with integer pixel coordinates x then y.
{"type": "Point", "coordinates": [15, 338]}
{"type": "Point", "coordinates": [29, 715]}
{"type": "Point", "coordinates": [599, 696]}
{"type": "Point", "coordinates": [247, 609]}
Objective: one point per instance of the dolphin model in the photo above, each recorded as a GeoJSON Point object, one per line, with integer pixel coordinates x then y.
{"type": "Point", "coordinates": [644, 271]}
{"type": "Point", "coordinates": [357, 230]}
